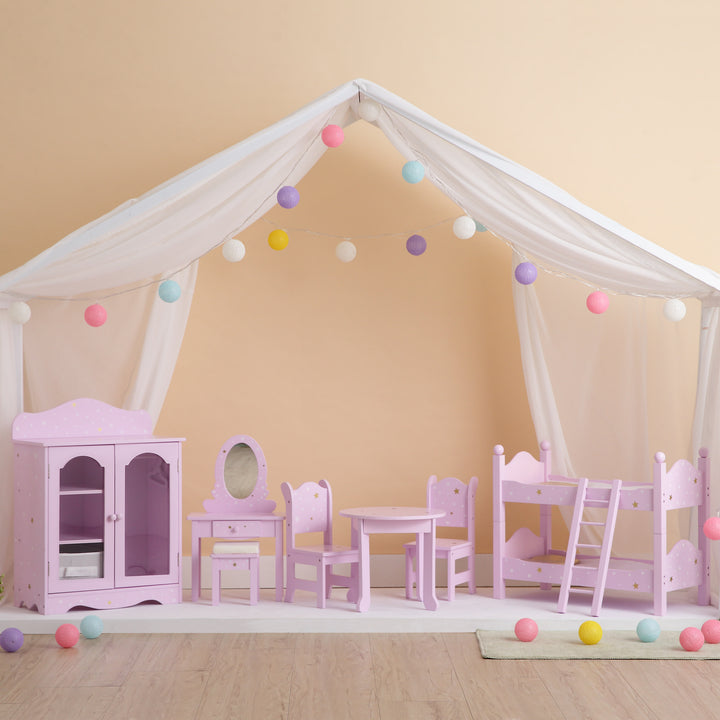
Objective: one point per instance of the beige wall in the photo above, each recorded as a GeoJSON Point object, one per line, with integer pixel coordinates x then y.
{"type": "Point", "coordinates": [377, 373]}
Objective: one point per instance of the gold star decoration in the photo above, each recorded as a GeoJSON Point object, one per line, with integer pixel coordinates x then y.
{"type": "Point", "coordinates": [539, 569]}
{"type": "Point", "coordinates": [539, 492]}
{"type": "Point", "coordinates": [635, 504]}
{"type": "Point", "coordinates": [635, 586]}
{"type": "Point", "coordinates": [317, 495]}
{"type": "Point", "coordinates": [456, 491]}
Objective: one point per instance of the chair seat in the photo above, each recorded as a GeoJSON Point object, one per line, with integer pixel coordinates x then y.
{"type": "Point", "coordinates": [326, 550]}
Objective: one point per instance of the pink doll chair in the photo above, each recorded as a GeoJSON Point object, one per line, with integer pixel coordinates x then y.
{"type": "Point", "coordinates": [308, 509]}
{"type": "Point", "coordinates": [458, 501]}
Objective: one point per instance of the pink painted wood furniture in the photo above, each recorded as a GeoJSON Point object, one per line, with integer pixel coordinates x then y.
{"type": "Point", "coordinates": [527, 557]}
{"type": "Point", "coordinates": [239, 507]}
{"type": "Point", "coordinates": [309, 511]}
{"type": "Point", "coordinates": [457, 499]}
{"type": "Point", "coordinates": [97, 509]}
{"type": "Point", "coordinates": [236, 556]}
{"type": "Point", "coordinates": [421, 521]}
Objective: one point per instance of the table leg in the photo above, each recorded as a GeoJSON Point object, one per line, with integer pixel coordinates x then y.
{"type": "Point", "coordinates": [279, 558]}
{"type": "Point", "coordinates": [419, 565]}
{"type": "Point", "coordinates": [363, 603]}
{"type": "Point", "coordinates": [428, 569]}
{"type": "Point", "coordinates": [353, 592]}
{"type": "Point", "coordinates": [195, 563]}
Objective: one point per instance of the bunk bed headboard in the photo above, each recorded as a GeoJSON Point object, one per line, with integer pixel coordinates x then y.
{"type": "Point", "coordinates": [523, 467]}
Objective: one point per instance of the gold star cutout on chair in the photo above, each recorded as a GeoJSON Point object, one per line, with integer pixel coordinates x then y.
{"type": "Point", "coordinates": [635, 586]}
{"type": "Point", "coordinates": [635, 504]}
{"type": "Point", "coordinates": [456, 491]}
{"type": "Point", "coordinates": [317, 495]}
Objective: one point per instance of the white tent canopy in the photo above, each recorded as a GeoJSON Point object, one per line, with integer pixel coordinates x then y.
{"type": "Point", "coordinates": [163, 234]}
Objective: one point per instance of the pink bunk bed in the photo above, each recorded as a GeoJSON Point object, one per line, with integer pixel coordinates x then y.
{"type": "Point", "coordinates": [528, 558]}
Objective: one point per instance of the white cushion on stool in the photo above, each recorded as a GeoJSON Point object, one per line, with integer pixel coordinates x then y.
{"type": "Point", "coordinates": [236, 548]}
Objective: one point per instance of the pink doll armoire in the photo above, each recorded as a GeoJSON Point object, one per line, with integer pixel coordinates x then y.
{"type": "Point", "coordinates": [97, 509]}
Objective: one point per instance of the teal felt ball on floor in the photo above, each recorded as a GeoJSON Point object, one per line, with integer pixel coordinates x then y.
{"type": "Point", "coordinates": [648, 630]}
{"type": "Point", "coordinates": [91, 627]}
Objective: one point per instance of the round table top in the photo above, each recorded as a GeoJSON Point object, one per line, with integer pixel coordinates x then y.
{"type": "Point", "coordinates": [392, 513]}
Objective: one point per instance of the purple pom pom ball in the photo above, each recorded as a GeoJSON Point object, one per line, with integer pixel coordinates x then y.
{"type": "Point", "coordinates": [11, 639]}
{"type": "Point", "coordinates": [526, 273]}
{"type": "Point", "coordinates": [288, 197]}
{"type": "Point", "coordinates": [416, 245]}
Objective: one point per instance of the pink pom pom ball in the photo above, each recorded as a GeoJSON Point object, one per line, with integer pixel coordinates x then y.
{"type": "Point", "coordinates": [711, 631]}
{"type": "Point", "coordinates": [692, 639]}
{"type": "Point", "coordinates": [95, 315]}
{"type": "Point", "coordinates": [333, 135]}
{"type": "Point", "coordinates": [711, 528]}
{"type": "Point", "coordinates": [597, 302]}
{"type": "Point", "coordinates": [67, 635]}
{"type": "Point", "coordinates": [526, 630]}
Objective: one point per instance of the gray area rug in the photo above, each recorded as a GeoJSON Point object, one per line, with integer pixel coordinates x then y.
{"type": "Point", "coordinates": [566, 645]}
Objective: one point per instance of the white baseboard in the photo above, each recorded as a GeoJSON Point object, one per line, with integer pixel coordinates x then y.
{"type": "Point", "coordinates": [385, 571]}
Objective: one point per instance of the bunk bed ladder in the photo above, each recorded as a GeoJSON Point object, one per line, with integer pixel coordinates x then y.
{"type": "Point", "coordinates": [578, 521]}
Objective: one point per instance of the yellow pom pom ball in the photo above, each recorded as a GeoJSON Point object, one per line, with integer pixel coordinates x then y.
{"type": "Point", "coordinates": [590, 632]}
{"type": "Point", "coordinates": [278, 239]}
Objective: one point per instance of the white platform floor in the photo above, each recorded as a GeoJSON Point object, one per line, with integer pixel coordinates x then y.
{"type": "Point", "coordinates": [390, 612]}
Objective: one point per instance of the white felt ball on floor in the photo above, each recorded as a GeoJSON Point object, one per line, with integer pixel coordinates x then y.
{"type": "Point", "coordinates": [368, 110]}
{"type": "Point", "coordinates": [346, 251]}
{"type": "Point", "coordinates": [19, 312]}
{"type": "Point", "coordinates": [464, 227]}
{"type": "Point", "coordinates": [674, 310]}
{"type": "Point", "coordinates": [233, 250]}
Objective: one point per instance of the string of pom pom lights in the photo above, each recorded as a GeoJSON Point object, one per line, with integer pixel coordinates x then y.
{"type": "Point", "coordinates": [464, 227]}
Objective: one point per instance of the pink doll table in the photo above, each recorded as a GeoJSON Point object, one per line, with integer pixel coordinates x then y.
{"type": "Point", "coordinates": [366, 520]}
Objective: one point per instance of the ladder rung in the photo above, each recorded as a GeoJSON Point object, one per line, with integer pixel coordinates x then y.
{"type": "Point", "coordinates": [582, 590]}
{"type": "Point", "coordinates": [587, 545]}
{"type": "Point", "coordinates": [591, 522]}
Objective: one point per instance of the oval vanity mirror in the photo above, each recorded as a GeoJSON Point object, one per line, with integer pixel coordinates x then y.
{"type": "Point", "coordinates": [240, 478]}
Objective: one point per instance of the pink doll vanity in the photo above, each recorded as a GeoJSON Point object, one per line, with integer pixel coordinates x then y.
{"type": "Point", "coordinates": [97, 509]}
{"type": "Point", "coordinates": [239, 508]}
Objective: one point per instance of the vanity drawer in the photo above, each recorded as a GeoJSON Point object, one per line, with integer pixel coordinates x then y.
{"type": "Point", "coordinates": [236, 528]}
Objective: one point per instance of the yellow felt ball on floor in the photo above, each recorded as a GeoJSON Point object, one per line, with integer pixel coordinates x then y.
{"type": "Point", "coordinates": [278, 239]}
{"type": "Point", "coordinates": [590, 632]}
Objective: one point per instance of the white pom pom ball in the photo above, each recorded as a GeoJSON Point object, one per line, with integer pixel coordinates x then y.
{"type": "Point", "coordinates": [368, 110]}
{"type": "Point", "coordinates": [464, 227]}
{"type": "Point", "coordinates": [674, 310]}
{"type": "Point", "coordinates": [346, 251]}
{"type": "Point", "coordinates": [19, 312]}
{"type": "Point", "coordinates": [233, 250]}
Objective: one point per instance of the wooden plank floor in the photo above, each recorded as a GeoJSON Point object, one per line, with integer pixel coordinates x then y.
{"type": "Point", "coordinates": [336, 677]}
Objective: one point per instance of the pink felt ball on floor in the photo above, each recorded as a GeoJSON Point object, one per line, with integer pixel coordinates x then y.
{"type": "Point", "coordinates": [333, 135]}
{"type": "Point", "coordinates": [67, 635]}
{"type": "Point", "coordinates": [526, 630]}
{"type": "Point", "coordinates": [597, 302]}
{"type": "Point", "coordinates": [711, 631]}
{"type": "Point", "coordinates": [692, 639]}
{"type": "Point", "coordinates": [95, 315]}
{"type": "Point", "coordinates": [711, 528]}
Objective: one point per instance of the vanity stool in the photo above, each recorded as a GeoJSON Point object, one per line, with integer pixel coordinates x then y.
{"type": "Point", "coordinates": [232, 556]}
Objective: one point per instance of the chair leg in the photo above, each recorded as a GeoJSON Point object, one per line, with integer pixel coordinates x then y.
{"type": "Point", "coordinates": [290, 581]}
{"type": "Point", "coordinates": [471, 570]}
{"type": "Point", "coordinates": [321, 585]}
{"type": "Point", "coordinates": [410, 575]}
{"type": "Point", "coordinates": [450, 577]}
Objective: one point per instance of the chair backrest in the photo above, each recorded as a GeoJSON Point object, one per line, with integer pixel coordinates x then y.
{"type": "Point", "coordinates": [457, 499]}
{"type": "Point", "coordinates": [308, 509]}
